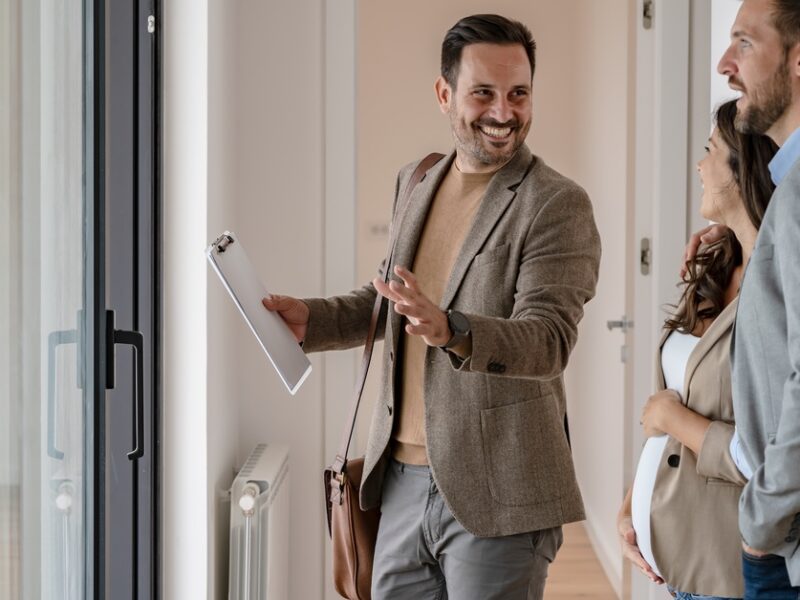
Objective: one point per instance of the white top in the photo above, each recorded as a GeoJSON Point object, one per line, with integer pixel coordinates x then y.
{"type": "Point", "coordinates": [737, 454]}
{"type": "Point", "coordinates": [674, 358]}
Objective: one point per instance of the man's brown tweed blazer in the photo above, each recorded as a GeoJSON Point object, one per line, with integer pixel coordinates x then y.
{"type": "Point", "coordinates": [494, 423]}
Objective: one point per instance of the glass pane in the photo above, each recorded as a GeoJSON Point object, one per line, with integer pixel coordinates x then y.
{"type": "Point", "coordinates": [45, 389]}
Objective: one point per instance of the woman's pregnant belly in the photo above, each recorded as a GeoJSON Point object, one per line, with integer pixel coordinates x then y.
{"type": "Point", "coordinates": [642, 495]}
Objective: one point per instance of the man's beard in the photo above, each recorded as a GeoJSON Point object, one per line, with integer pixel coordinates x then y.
{"type": "Point", "coordinates": [473, 144]}
{"type": "Point", "coordinates": [767, 103]}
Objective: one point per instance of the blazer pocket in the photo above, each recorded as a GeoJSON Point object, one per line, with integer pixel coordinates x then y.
{"type": "Point", "coordinates": [495, 254]}
{"type": "Point", "coordinates": [721, 482]}
{"type": "Point", "coordinates": [523, 446]}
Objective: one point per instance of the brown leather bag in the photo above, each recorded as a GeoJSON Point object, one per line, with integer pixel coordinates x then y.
{"type": "Point", "coordinates": [353, 531]}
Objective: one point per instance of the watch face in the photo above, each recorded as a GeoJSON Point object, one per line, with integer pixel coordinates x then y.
{"type": "Point", "coordinates": [459, 323]}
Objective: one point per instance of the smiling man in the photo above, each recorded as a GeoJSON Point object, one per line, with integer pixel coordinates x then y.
{"type": "Point", "coordinates": [468, 453]}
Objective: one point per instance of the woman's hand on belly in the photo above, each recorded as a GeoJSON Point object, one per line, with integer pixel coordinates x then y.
{"type": "Point", "coordinates": [664, 412]}
{"type": "Point", "coordinates": [656, 411]}
{"type": "Point", "coordinates": [630, 550]}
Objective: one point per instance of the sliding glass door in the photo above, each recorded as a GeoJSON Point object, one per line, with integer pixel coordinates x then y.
{"type": "Point", "coordinates": [47, 310]}
{"type": "Point", "coordinates": [78, 299]}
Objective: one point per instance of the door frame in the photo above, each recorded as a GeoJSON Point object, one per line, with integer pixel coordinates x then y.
{"type": "Point", "coordinates": [147, 290]}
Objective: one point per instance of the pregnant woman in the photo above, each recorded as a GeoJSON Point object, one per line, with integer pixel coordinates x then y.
{"type": "Point", "coordinates": [678, 524]}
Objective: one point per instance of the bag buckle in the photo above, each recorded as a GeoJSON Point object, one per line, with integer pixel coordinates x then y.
{"type": "Point", "coordinates": [337, 483]}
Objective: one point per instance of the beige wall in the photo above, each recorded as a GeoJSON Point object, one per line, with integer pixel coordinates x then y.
{"type": "Point", "coordinates": [581, 127]}
{"type": "Point", "coordinates": [602, 161]}
{"type": "Point", "coordinates": [222, 378]}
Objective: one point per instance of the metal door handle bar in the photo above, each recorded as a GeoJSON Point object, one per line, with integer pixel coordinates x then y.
{"type": "Point", "coordinates": [135, 339]}
{"type": "Point", "coordinates": [54, 340]}
{"type": "Point", "coordinates": [623, 324]}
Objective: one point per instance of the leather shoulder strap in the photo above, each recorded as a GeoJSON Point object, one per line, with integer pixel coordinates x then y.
{"type": "Point", "coordinates": [347, 435]}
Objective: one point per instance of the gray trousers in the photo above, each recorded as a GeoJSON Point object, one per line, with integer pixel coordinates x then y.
{"type": "Point", "coordinates": [423, 553]}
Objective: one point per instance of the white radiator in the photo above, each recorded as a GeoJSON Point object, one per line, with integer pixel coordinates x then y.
{"type": "Point", "coordinates": [259, 545]}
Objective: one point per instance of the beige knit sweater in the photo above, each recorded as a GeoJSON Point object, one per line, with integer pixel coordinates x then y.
{"type": "Point", "coordinates": [447, 225]}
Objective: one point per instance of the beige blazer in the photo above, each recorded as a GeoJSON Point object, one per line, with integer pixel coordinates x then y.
{"type": "Point", "coordinates": [693, 515]}
{"type": "Point", "coordinates": [495, 422]}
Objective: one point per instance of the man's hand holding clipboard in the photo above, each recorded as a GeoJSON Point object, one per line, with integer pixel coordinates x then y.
{"type": "Point", "coordinates": [277, 332]}
{"type": "Point", "coordinates": [294, 313]}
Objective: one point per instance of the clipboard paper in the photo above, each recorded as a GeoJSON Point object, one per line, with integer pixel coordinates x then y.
{"type": "Point", "coordinates": [229, 260]}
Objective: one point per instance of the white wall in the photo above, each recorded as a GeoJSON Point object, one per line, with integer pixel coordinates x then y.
{"type": "Point", "coordinates": [723, 14]}
{"type": "Point", "coordinates": [186, 475]}
{"type": "Point", "coordinates": [251, 158]}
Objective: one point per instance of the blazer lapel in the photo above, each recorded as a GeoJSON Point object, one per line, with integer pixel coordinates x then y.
{"type": "Point", "coordinates": [716, 330]}
{"type": "Point", "coordinates": [412, 222]}
{"type": "Point", "coordinates": [499, 194]}
{"type": "Point", "coordinates": [411, 225]}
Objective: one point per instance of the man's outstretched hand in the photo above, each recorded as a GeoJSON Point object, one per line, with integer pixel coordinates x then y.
{"type": "Point", "coordinates": [294, 312]}
{"type": "Point", "coordinates": [424, 317]}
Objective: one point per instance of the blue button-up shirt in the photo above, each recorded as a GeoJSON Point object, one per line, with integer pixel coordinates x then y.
{"type": "Point", "coordinates": [786, 156]}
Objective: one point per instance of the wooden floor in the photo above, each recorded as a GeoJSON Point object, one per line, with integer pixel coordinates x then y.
{"type": "Point", "coordinates": [576, 573]}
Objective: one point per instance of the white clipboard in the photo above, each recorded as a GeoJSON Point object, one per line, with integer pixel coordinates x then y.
{"type": "Point", "coordinates": [237, 274]}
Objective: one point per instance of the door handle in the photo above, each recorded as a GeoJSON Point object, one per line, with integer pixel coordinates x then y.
{"type": "Point", "coordinates": [135, 339]}
{"type": "Point", "coordinates": [624, 324]}
{"type": "Point", "coordinates": [54, 340]}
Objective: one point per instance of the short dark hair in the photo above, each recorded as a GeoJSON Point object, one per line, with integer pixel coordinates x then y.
{"type": "Point", "coordinates": [483, 29]}
{"type": "Point", "coordinates": [786, 19]}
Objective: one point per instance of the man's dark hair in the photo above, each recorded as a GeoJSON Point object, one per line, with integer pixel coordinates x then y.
{"type": "Point", "coordinates": [786, 19]}
{"type": "Point", "coordinates": [483, 29]}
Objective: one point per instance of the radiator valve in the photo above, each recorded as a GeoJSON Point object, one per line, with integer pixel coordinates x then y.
{"type": "Point", "coordinates": [247, 501]}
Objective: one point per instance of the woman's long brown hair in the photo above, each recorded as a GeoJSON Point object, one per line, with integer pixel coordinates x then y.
{"type": "Point", "coordinates": [708, 274]}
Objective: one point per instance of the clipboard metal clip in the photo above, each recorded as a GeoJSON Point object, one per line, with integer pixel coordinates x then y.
{"type": "Point", "coordinates": [222, 242]}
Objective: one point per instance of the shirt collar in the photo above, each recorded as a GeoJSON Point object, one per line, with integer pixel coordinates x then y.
{"type": "Point", "coordinates": [786, 156]}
